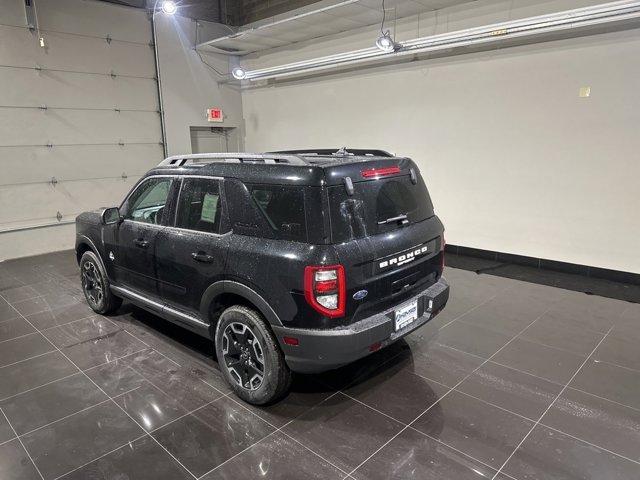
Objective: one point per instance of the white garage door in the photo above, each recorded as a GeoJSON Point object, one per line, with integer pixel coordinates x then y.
{"type": "Point", "coordinates": [79, 119]}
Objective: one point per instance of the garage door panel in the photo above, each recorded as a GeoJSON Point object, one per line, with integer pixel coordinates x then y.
{"type": "Point", "coordinates": [69, 198]}
{"type": "Point", "coordinates": [20, 47]}
{"type": "Point", "coordinates": [40, 164]}
{"type": "Point", "coordinates": [30, 242]}
{"type": "Point", "coordinates": [87, 18]}
{"type": "Point", "coordinates": [12, 12]}
{"type": "Point", "coordinates": [79, 91]}
{"type": "Point", "coordinates": [35, 127]}
{"type": "Point", "coordinates": [101, 119]}
{"type": "Point", "coordinates": [95, 55]}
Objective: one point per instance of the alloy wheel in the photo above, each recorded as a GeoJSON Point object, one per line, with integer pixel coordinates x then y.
{"type": "Point", "coordinates": [243, 355]}
{"type": "Point", "coordinates": [92, 284]}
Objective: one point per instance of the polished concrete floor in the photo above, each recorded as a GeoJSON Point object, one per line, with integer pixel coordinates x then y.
{"type": "Point", "coordinates": [513, 380]}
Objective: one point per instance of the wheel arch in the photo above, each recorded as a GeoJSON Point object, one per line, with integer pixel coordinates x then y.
{"type": "Point", "coordinates": [225, 293]}
{"type": "Point", "coordinates": [85, 244]}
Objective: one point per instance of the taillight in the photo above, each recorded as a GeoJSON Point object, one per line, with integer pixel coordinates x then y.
{"type": "Point", "coordinates": [380, 172]}
{"type": "Point", "coordinates": [325, 289]}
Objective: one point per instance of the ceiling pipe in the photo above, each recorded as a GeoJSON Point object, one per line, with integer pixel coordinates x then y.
{"type": "Point", "coordinates": [527, 27]}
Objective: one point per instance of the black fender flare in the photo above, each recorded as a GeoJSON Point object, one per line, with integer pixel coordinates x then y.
{"type": "Point", "coordinates": [92, 246]}
{"type": "Point", "coordinates": [240, 289]}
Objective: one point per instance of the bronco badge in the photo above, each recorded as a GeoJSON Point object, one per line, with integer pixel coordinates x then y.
{"type": "Point", "coordinates": [405, 257]}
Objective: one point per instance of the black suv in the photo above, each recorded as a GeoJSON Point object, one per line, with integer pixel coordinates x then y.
{"type": "Point", "coordinates": [290, 261]}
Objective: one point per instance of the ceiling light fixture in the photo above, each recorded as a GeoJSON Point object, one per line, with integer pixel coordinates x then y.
{"type": "Point", "coordinates": [386, 43]}
{"type": "Point", "coordinates": [238, 72]}
{"type": "Point", "coordinates": [621, 13]}
{"type": "Point", "coordinates": [169, 7]}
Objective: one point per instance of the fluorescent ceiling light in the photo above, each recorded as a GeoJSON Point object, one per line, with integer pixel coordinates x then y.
{"type": "Point", "coordinates": [581, 17]}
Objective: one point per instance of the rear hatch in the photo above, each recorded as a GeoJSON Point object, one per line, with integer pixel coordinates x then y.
{"type": "Point", "coordinates": [385, 234]}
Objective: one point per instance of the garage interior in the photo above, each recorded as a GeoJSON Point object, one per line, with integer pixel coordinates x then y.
{"type": "Point", "coordinates": [522, 116]}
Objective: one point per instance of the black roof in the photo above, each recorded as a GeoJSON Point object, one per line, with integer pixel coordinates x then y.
{"type": "Point", "coordinates": [315, 168]}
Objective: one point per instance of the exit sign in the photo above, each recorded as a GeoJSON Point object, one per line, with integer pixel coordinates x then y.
{"type": "Point", "coordinates": [214, 115]}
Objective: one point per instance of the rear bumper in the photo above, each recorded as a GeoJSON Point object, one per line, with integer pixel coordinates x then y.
{"type": "Point", "coordinates": [320, 350]}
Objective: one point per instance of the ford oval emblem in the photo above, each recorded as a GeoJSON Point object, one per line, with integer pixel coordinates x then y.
{"type": "Point", "coordinates": [360, 294]}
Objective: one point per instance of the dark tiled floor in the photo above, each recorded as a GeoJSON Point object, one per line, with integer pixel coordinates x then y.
{"type": "Point", "coordinates": [570, 281]}
{"type": "Point", "coordinates": [513, 380]}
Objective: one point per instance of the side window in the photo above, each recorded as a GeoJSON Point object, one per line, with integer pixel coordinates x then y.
{"type": "Point", "coordinates": [199, 205]}
{"type": "Point", "coordinates": [283, 207]}
{"type": "Point", "coordinates": [146, 203]}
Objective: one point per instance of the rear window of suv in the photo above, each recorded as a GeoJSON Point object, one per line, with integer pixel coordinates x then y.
{"type": "Point", "coordinates": [374, 204]}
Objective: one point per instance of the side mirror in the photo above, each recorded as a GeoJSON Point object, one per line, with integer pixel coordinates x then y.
{"type": "Point", "coordinates": [110, 216]}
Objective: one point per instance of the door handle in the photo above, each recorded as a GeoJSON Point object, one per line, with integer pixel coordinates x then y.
{"type": "Point", "coordinates": [141, 242]}
{"type": "Point", "coordinates": [202, 257]}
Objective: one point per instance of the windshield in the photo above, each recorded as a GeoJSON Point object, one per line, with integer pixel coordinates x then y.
{"type": "Point", "coordinates": [377, 206]}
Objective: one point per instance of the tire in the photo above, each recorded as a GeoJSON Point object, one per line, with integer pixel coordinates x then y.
{"type": "Point", "coordinates": [238, 330]}
{"type": "Point", "coordinates": [95, 285]}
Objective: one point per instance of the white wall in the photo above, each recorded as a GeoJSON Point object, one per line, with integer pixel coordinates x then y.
{"type": "Point", "coordinates": [190, 86]}
{"type": "Point", "coordinates": [514, 159]}
{"type": "Point", "coordinates": [81, 122]}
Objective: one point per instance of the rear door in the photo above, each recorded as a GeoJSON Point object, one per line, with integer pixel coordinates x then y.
{"type": "Point", "coordinates": [387, 237]}
{"type": "Point", "coordinates": [135, 239]}
{"type": "Point", "coordinates": [191, 255]}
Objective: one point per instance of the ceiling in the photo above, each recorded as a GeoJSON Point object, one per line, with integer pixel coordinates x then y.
{"type": "Point", "coordinates": [228, 12]}
{"type": "Point", "coordinates": [264, 24]}
{"type": "Point", "coordinates": [319, 19]}
{"type": "Point", "coordinates": [210, 10]}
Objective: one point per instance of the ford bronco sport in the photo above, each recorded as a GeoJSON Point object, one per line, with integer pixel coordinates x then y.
{"type": "Point", "coordinates": [290, 261]}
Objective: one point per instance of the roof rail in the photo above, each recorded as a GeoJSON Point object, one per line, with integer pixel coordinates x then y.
{"type": "Point", "coordinates": [338, 152]}
{"type": "Point", "coordinates": [232, 157]}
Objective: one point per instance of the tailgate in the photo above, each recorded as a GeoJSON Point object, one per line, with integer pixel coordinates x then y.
{"type": "Point", "coordinates": [387, 237]}
{"type": "Point", "coordinates": [394, 268]}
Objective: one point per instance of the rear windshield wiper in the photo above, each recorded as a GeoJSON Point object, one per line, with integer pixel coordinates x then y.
{"type": "Point", "coordinates": [400, 218]}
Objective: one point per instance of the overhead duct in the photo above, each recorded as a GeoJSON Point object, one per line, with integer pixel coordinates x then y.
{"type": "Point", "coordinates": [528, 27]}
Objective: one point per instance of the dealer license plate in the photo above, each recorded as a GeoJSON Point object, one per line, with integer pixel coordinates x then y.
{"type": "Point", "coordinates": [406, 315]}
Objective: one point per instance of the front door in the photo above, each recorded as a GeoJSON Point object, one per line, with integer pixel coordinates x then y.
{"type": "Point", "coordinates": [192, 255]}
{"type": "Point", "coordinates": [143, 219]}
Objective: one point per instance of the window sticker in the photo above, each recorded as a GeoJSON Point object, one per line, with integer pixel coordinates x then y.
{"type": "Point", "coordinates": [209, 207]}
